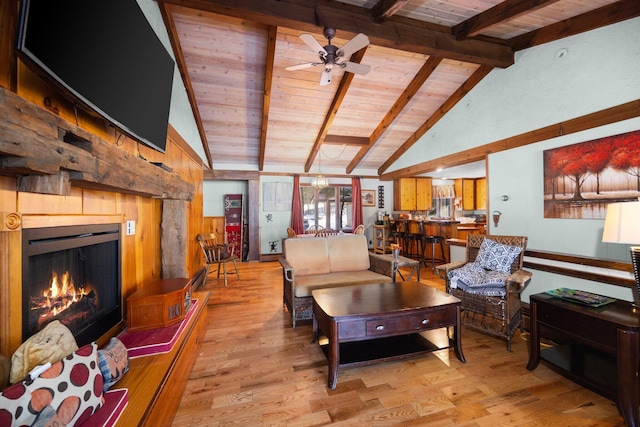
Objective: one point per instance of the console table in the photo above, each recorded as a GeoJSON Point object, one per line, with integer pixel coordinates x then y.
{"type": "Point", "coordinates": [600, 348]}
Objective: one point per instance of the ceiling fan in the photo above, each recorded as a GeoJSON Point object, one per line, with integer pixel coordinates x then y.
{"type": "Point", "coordinates": [331, 56]}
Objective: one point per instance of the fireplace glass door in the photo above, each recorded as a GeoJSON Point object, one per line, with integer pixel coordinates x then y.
{"type": "Point", "coordinates": [72, 274]}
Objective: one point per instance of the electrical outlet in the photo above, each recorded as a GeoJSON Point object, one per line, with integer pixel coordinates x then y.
{"type": "Point", "coordinates": [131, 228]}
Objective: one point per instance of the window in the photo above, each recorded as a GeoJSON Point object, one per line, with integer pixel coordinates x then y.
{"type": "Point", "coordinates": [328, 207]}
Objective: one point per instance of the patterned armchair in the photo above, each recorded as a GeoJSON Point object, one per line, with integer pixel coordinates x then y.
{"type": "Point", "coordinates": [489, 284]}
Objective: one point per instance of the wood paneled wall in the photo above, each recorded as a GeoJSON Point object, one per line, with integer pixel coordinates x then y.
{"type": "Point", "coordinates": [142, 252]}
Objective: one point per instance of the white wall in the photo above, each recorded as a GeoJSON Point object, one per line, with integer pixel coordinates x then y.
{"type": "Point", "coordinates": [547, 84]}
{"type": "Point", "coordinates": [213, 195]}
{"type": "Point", "coordinates": [180, 114]}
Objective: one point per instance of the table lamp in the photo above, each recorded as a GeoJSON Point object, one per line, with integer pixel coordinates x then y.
{"type": "Point", "coordinates": [622, 225]}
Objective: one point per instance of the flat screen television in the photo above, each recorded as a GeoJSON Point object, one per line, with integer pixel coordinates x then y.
{"type": "Point", "coordinates": [105, 56]}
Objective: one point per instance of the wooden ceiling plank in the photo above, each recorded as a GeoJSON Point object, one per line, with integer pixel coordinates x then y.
{"type": "Point", "coordinates": [498, 14]}
{"type": "Point", "coordinates": [308, 15]}
{"type": "Point", "coordinates": [601, 17]}
{"type": "Point", "coordinates": [347, 140]}
{"type": "Point", "coordinates": [271, 54]}
{"type": "Point", "coordinates": [615, 114]}
{"type": "Point", "coordinates": [167, 17]}
{"type": "Point", "coordinates": [384, 9]}
{"type": "Point", "coordinates": [412, 88]}
{"type": "Point", "coordinates": [465, 88]}
{"type": "Point", "coordinates": [345, 82]}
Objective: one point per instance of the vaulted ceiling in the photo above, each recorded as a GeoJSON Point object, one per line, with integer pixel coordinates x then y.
{"type": "Point", "coordinates": [424, 56]}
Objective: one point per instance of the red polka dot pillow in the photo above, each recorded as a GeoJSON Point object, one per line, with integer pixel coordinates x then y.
{"type": "Point", "coordinates": [67, 393]}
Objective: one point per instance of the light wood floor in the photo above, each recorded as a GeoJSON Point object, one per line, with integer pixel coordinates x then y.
{"type": "Point", "coordinates": [253, 369]}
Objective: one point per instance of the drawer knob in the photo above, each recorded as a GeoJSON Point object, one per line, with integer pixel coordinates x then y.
{"type": "Point", "coordinates": [425, 321]}
{"type": "Point", "coordinates": [379, 327]}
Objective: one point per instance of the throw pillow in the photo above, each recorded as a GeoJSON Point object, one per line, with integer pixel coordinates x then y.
{"type": "Point", "coordinates": [50, 344]}
{"type": "Point", "coordinates": [113, 361]}
{"type": "Point", "coordinates": [69, 392]}
{"type": "Point", "coordinates": [496, 256]}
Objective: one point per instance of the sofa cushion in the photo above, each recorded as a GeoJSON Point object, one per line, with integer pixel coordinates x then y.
{"type": "Point", "coordinates": [348, 252]}
{"type": "Point", "coordinates": [307, 256]}
{"type": "Point", "coordinates": [305, 285]}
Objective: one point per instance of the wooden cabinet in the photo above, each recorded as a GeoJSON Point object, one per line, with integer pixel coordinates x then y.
{"type": "Point", "coordinates": [412, 194]}
{"type": "Point", "coordinates": [424, 195]}
{"type": "Point", "coordinates": [380, 239]}
{"type": "Point", "coordinates": [474, 193]}
{"type": "Point", "coordinates": [481, 193]}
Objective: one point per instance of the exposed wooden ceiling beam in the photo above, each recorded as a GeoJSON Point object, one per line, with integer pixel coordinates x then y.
{"type": "Point", "coordinates": [384, 9]}
{"type": "Point", "coordinates": [309, 15]}
{"type": "Point", "coordinates": [345, 82]}
{"type": "Point", "coordinates": [347, 140]}
{"type": "Point", "coordinates": [615, 114]}
{"type": "Point", "coordinates": [498, 14]}
{"type": "Point", "coordinates": [232, 175]}
{"type": "Point", "coordinates": [271, 54]}
{"type": "Point", "coordinates": [601, 17]}
{"type": "Point", "coordinates": [167, 17]}
{"type": "Point", "coordinates": [416, 83]}
{"type": "Point", "coordinates": [465, 88]}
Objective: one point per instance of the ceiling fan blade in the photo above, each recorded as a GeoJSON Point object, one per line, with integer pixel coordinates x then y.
{"type": "Point", "coordinates": [313, 43]}
{"type": "Point", "coordinates": [303, 66]}
{"type": "Point", "coordinates": [354, 67]}
{"type": "Point", "coordinates": [326, 77]}
{"type": "Point", "coordinates": [352, 46]}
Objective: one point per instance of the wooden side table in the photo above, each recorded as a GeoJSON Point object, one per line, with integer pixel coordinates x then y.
{"type": "Point", "coordinates": [401, 261]}
{"type": "Point", "coordinates": [601, 350]}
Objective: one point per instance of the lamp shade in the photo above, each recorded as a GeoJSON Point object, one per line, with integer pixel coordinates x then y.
{"type": "Point", "coordinates": [622, 223]}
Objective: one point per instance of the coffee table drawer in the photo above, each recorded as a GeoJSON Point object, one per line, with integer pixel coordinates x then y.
{"type": "Point", "coordinates": [409, 323]}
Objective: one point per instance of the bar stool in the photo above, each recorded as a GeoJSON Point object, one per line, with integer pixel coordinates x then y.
{"type": "Point", "coordinates": [414, 242]}
{"type": "Point", "coordinates": [433, 240]}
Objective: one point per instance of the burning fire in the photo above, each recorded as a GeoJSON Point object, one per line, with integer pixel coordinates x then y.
{"type": "Point", "coordinates": [61, 293]}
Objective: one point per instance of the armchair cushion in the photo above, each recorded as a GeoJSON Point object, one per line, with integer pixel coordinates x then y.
{"type": "Point", "coordinates": [496, 256]}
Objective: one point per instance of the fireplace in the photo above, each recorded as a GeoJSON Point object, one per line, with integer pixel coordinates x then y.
{"type": "Point", "coordinates": [72, 274]}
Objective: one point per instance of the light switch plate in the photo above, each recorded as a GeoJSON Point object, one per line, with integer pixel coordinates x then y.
{"type": "Point", "coordinates": [131, 228]}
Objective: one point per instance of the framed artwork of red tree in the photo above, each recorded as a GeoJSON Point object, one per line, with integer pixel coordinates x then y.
{"type": "Point", "coordinates": [581, 179]}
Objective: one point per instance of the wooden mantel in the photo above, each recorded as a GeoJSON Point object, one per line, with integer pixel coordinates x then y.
{"type": "Point", "coordinates": [48, 154]}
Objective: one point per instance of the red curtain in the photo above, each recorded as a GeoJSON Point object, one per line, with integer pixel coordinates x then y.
{"type": "Point", "coordinates": [297, 216]}
{"type": "Point", "coordinates": [356, 196]}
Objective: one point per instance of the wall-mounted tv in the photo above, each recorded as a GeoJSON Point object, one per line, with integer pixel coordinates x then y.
{"type": "Point", "coordinates": [106, 58]}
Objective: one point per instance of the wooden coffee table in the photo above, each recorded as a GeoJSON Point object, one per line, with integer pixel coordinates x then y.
{"type": "Point", "coordinates": [373, 323]}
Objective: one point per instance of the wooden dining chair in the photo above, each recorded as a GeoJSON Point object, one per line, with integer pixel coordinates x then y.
{"type": "Point", "coordinates": [327, 232]}
{"type": "Point", "coordinates": [313, 229]}
{"type": "Point", "coordinates": [217, 254]}
{"type": "Point", "coordinates": [359, 229]}
{"type": "Point", "coordinates": [291, 232]}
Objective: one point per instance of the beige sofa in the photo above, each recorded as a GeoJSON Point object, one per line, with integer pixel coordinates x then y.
{"type": "Point", "coordinates": [327, 262]}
